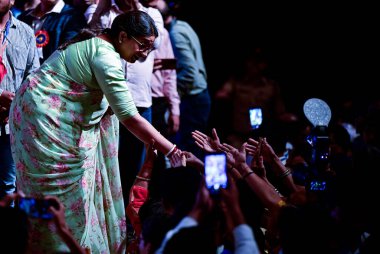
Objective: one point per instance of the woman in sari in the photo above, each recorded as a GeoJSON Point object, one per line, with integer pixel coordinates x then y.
{"type": "Point", "coordinates": [63, 140]}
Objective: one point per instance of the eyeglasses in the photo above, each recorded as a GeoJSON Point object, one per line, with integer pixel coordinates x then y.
{"type": "Point", "coordinates": [142, 47]}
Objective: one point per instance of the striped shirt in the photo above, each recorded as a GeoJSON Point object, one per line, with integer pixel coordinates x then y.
{"type": "Point", "coordinates": [20, 56]}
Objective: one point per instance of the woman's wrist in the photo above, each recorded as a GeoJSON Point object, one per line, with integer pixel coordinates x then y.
{"type": "Point", "coordinates": [171, 151]}
{"type": "Point", "coordinates": [244, 169]}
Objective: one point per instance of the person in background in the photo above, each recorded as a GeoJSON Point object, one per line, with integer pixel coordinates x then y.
{"type": "Point", "coordinates": [87, 7]}
{"type": "Point", "coordinates": [16, 222]}
{"type": "Point", "coordinates": [18, 59]}
{"type": "Point", "coordinates": [54, 23]}
{"type": "Point", "coordinates": [191, 78]}
{"type": "Point", "coordinates": [57, 142]}
{"type": "Point", "coordinates": [251, 87]}
{"type": "Point", "coordinates": [166, 101]}
{"type": "Point", "coordinates": [139, 76]}
{"type": "Point", "coordinates": [23, 5]}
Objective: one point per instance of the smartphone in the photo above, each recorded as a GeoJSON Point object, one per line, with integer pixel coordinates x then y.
{"type": "Point", "coordinates": [216, 172]}
{"type": "Point", "coordinates": [169, 63]}
{"type": "Point", "coordinates": [35, 207]}
{"type": "Point", "coordinates": [316, 185]}
{"type": "Point", "coordinates": [255, 117]}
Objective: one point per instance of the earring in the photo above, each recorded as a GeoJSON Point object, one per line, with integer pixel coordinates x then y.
{"type": "Point", "coordinates": [120, 41]}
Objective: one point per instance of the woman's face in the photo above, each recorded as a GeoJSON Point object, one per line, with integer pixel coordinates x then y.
{"type": "Point", "coordinates": [133, 48]}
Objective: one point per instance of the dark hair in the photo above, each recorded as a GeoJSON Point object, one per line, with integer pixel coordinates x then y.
{"type": "Point", "coordinates": [134, 23]}
{"type": "Point", "coordinates": [14, 225]}
{"type": "Point", "coordinates": [191, 240]}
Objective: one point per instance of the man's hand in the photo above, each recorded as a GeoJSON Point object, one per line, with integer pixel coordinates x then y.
{"type": "Point", "coordinates": [173, 124]}
{"type": "Point", "coordinates": [6, 99]}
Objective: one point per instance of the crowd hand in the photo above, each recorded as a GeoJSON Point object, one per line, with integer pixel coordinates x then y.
{"type": "Point", "coordinates": [177, 159]}
{"type": "Point", "coordinates": [193, 161]}
{"type": "Point", "coordinates": [206, 143]}
{"type": "Point", "coordinates": [6, 99]}
{"type": "Point", "coordinates": [257, 166]}
{"type": "Point", "coordinates": [235, 157]}
{"type": "Point", "coordinates": [266, 149]}
{"type": "Point", "coordinates": [173, 124]}
{"type": "Point", "coordinates": [58, 212]}
{"type": "Point", "coordinates": [203, 203]}
{"type": "Point", "coordinates": [231, 206]}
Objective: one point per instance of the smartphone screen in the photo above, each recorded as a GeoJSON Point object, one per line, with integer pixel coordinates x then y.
{"type": "Point", "coordinates": [216, 172]}
{"type": "Point", "coordinates": [317, 185]}
{"type": "Point", "coordinates": [169, 63]}
{"type": "Point", "coordinates": [255, 117]}
{"type": "Point", "coordinates": [35, 208]}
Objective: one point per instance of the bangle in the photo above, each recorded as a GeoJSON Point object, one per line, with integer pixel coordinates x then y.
{"type": "Point", "coordinates": [247, 174]}
{"type": "Point", "coordinates": [285, 173]}
{"type": "Point", "coordinates": [143, 178]}
{"type": "Point", "coordinates": [171, 151]}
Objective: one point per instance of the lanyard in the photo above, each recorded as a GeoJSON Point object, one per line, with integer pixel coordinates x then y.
{"type": "Point", "coordinates": [6, 30]}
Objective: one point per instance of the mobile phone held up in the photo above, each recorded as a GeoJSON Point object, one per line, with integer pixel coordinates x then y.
{"type": "Point", "coordinates": [255, 117]}
{"type": "Point", "coordinates": [36, 208]}
{"type": "Point", "coordinates": [216, 172]}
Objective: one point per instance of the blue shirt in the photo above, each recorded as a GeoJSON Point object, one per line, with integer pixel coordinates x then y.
{"type": "Point", "coordinates": [191, 71]}
{"type": "Point", "coordinates": [20, 56]}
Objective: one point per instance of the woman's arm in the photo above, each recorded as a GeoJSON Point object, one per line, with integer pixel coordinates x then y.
{"type": "Point", "coordinates": [144, 131]}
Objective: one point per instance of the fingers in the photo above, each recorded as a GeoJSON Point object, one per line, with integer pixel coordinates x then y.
{"type": "Point", "coordinates": [214, 134]}
{"type": "Point", "coordinates": [198, 139]}
{"type": "Point", "coordinates": [200, 134]}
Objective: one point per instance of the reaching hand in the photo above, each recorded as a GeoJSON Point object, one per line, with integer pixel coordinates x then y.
{"type": "Point", "coordinates": [265, 150]}
{"type": "Point", "coordinates": [177, 159]}
{"type": "Point", "coordinates": [206, 143]}
{"type": "Point", "coordinates": [193, 161]}
{"type": "Point", "coordinates": [234, 156]}
{"type": "Point", "coordinates": [203, 204]}
{"type": "Point", "coordinates": [231, 206]}
{"type": "Point", "coordinates": [257, 166]}
{"type": "Point", "coordinates": [58, 211]}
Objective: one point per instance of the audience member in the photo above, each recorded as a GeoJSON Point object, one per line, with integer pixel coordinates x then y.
{"type": "Point", "coordinates": [16, 221]}
{"type": "Point", "coordinates": [250, 87]}
{"type": "Point", "coordinates": [189, 236]}
{"type": "Point", "coordinates": [18, 59]}
{"type": "Point", "coordinates": [23, 5]}
{"type": "Point", "coordinates": [54, 23]}
{"type": "Point", "coordinates": [165, 101]}
{"type": "Point", "coordinates": [56, 139]}
{"type": "Point", "coordinates": [191, 78]}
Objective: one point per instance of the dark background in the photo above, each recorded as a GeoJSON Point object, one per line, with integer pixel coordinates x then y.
{"type": "Point", "coordinates": [316, 50]}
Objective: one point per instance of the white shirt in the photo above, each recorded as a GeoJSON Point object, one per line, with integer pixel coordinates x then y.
{"type": "Point", "coordinates": [139, 74]}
